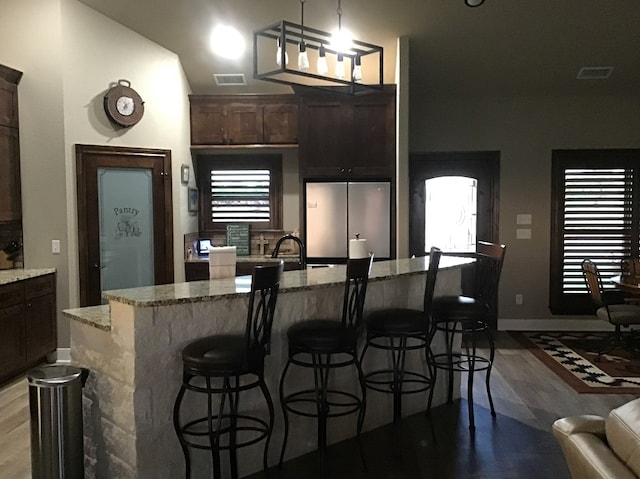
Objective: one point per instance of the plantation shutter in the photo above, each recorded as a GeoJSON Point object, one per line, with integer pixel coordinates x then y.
{"type": "Point", "coordinates": [597, 223]}
{"type": "Point", "coordinates": [240, 196]}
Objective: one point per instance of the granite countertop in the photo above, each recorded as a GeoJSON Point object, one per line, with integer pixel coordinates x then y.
{"type": "Point", "coordinates": [211, 290]}
{"type": "Point", "coordinates": [13, 275]}
{"type": "Point", "coordinates": [208, 290]}
{"type": "Point", "coordinates": [253, 258]}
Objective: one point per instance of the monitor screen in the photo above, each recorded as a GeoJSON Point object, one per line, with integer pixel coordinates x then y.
{"type": "Point", "coordinates": [203, 246]}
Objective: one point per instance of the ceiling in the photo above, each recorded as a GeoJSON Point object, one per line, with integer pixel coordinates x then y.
{"type": "Point", "coordinates": [504, 47]}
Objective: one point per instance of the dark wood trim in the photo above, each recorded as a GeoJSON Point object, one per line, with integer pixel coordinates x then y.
{"type": "Point", "coordinates": [10, 75]}
{"type": "Point", "coordinates": [157, 160]}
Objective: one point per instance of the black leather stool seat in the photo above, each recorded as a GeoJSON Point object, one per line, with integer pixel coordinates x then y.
{"type": "Point", "coordinates": [214, 355]}
{"type": "Point", "coordinates": [469, 317]}
{"type": "Point", "coordinates": [321, 336]}
{"type": "Point", "coordinates": [398, 321]}
{"type": "Point", "coordinates": [221, 368]}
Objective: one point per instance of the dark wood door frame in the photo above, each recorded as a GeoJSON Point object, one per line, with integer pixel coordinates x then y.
{"type": "Point", "coordinates": [423, 166]}
{"type": "Point", "coordinates": [88, 159]}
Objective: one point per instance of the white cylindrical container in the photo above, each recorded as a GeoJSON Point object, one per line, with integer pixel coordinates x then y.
{"type": "Point", "coordinates": [222, 262]}
{"type": "Point", "coordinates": [358, 248]}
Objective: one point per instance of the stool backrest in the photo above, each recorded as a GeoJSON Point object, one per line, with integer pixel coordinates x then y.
{"type": "Point", "coordinates": [265, 283]}
{"type": "Point", "coordinates": [430, 286]}
{"type": "Point", "coordinates": [594, 282]}
{"type": "Point", "coordinates": [355, 291]}
{"type": "Point", "coordinates": [489, 261]}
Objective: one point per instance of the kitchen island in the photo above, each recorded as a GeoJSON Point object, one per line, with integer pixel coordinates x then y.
{"type": "Point", "coordinates": [132, 347]}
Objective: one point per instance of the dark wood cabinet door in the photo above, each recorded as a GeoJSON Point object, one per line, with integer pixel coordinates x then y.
{"type": "Point", "coordinates": [280, 123]}
{"type": "Point", "coordinates": [243, 124]}
{"type": "Point", "coordinates": [13, 356]}
{"type": "Point", "coordinates": [326, 146]}
{"type": "Point", "coordinates": [8, 104]}
{"type": "Point", "coordinates": [208, 121]}
{"type": "Point", "coordinates": [40, 327]}
{"type": "Point", "coordinates": [374, 137]}
{"type": "Point", "coordinates": [10, 195]}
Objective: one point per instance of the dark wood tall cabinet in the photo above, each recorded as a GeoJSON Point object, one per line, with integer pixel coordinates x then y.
{"type": "Point", "coordinates": [10, 194]}
{"type": "Point", "coordinates": [347, 136]}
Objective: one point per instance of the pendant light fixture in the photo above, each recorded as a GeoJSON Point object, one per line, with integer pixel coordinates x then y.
{"type": "Point", "coordinates": [303, 57]}
{"type": "Point", "coordinates": [473, 3]}
{"type": "Point", "coordinates": [357, 66]}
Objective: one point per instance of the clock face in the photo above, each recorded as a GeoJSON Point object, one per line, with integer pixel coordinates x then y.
{"type": "Point", "coordinates": [125, 105]}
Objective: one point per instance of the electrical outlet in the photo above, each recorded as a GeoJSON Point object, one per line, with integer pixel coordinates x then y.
{"type": "Point", "coordinates": [519, 298]}
{"type": "Point", "coordinates": [55, 246]}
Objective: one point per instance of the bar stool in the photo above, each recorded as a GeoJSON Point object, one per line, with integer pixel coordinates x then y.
{"type": "Point", "coordinates": [324, 345]}
{"type": "Point", "coordinates": [228, 364]}
{"type": "Point", "coordinates": [469, 317]}
{"type": "Point", "coordinates": [402, 330]}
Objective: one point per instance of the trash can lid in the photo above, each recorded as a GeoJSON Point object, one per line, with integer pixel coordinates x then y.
{"type": "Point", "coordinates": [54, 375]}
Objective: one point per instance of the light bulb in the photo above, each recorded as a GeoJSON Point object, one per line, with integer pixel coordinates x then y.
{"type": "Point", "coordinates": [340, 66]}
{"type": "Point", "coordinates": [279, 54]}
{"type": "Point", "coordinates": [322, 66]}
{"type": "Point", "coordinates": [303, 58]}
{"type": "Point", "coordinates": [357, 69]}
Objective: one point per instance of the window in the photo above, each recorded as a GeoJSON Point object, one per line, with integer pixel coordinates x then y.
{"type": "Point", "coordinates": [240, 189]}
{"type": "Point", "coordinates": [595, 206]}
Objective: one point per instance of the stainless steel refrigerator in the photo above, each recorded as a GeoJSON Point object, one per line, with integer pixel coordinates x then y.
{"type": "Point", "coordinates": [336, 211]}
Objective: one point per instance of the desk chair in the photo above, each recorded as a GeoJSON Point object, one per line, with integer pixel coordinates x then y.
{"type": "Point", "coordinates": [469, 316]}
{"type": "Point", "coordinates": [619, 315]}
{"type": "Point", "coordinates": [229, 364]}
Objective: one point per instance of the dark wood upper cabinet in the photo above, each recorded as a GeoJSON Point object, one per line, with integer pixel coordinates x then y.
{"type": "Point", "coordinates": [10, 193]}
{"type": "Point", "coordinates": [229, 120]}
{"type": "Point", "coordinates": [347, 136]}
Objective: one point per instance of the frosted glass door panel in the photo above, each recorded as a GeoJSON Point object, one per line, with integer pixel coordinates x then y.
{"type": "Point", "coordinates": [326, 220]}
{"type": "Point", "coordinates": [451, 212]}
{"type": "Point", "coordinates": [125, 205]}
{"type": "Point", "coordinates": [370, 215]}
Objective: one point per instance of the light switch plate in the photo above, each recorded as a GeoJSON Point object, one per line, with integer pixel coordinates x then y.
{"type": "Point", "coordinates": [55, 246]}
{"type": "Point", "coordinates": [523, 233]}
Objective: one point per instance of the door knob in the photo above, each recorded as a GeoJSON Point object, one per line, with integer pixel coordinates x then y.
{"type": "Point", "coordinates": [97, 266]}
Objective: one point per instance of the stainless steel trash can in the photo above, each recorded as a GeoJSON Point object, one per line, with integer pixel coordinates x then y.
{"type": "Point", "coordinates": [55, 404]}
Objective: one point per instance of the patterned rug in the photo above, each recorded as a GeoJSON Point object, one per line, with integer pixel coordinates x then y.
{"type": "Point", "coordinates": [574, 357]}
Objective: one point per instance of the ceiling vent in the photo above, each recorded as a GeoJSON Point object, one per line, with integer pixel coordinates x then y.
{"type": "Point", "coordinates": [594, 73]}
{"type": "Point", "coordinates": [230, 79]}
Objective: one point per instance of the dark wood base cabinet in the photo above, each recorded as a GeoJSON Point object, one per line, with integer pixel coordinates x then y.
{"type": "Point", "coordinates": [199, 270]}
{"type": "Point", "coordinates": [27, 324]}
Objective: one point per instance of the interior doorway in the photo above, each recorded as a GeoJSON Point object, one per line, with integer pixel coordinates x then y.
{"type": "Point", "coordinates": [125, 219]}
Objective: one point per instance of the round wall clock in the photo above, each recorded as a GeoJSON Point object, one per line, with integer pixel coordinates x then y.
{"type": "Point", "coordinates": [123, 105]}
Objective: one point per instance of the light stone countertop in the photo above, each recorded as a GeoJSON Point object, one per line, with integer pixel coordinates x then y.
{"type": "Point", "coordinates": [212, 290]}
{"type": "Point", "coordinates": [13, 275]}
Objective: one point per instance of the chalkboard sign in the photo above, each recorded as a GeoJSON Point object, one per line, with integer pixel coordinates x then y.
{"type": "Point", "coordinates": [238, 236]}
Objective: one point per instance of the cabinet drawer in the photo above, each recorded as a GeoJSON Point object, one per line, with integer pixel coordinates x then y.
{"type": "Point", "coordinates": [12, 293]}
{"type": "Point", "coordinates": [39, 286]}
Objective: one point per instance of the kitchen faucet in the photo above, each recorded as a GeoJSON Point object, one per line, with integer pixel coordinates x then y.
{"type": "Point", "coordinates": [303, 257]}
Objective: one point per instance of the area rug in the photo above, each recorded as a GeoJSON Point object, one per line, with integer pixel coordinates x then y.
{"type": "Point", "coordinates": [574, 357]}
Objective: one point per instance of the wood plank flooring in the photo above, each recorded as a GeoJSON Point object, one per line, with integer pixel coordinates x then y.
{"type": "Point", "coordinates": [517, 444]}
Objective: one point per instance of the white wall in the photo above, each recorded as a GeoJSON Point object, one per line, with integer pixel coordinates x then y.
{"type": "Point", "coordinates": [70, 56]}
{"type": "Point", "coordinates": [525, 131]}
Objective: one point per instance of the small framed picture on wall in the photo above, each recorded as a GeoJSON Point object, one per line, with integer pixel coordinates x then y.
{"type": "Point", "coordinates": [184, 174]}
{"type": "Point", "coordinates": [193, 200]}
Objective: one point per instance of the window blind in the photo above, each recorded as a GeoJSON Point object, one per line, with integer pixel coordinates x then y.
{"type": "Point", "coordinates": [597, 225]}
{"type": "Point", "coordinates": [240, 196]}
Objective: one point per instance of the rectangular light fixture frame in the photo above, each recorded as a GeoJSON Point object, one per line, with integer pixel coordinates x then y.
{"type": "Point", "coordinates": [291, 34]}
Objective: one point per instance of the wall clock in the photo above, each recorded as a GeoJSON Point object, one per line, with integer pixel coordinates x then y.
{"type": "Point", "coordinates": [123, 105]}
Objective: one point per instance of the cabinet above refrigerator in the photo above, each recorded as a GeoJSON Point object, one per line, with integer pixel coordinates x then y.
{"type": "Point", "coordinates": [335, 211]}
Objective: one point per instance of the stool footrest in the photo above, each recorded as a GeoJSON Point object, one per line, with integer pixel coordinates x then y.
{"type": "Point", "coordinates": [460, 361]}
{"type": "Point", "coordinates": [350, 403]}
{"type": "Point", "coordinates": [380, 381]}
{"type": "Point", "coordinates": [249, 424]}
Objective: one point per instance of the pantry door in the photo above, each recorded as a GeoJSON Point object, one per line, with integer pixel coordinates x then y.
{"type": "Point", "coordinates": [125, 219]}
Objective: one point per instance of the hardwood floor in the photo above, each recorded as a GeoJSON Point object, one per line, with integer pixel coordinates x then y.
{"type": "Point", "coordinates": [517, 444]}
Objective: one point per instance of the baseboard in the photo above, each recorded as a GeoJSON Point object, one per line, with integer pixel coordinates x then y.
{"type": "Point", "coordinates": [571, 324]}
{"type": "Point", "coordinates": [60, 355]}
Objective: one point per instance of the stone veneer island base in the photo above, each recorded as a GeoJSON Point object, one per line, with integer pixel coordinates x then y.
{"type": "Point", "coordinates": [132, 347]}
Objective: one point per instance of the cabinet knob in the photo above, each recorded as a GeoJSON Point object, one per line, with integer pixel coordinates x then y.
{"type": "Point", "coordinates": [97, 266]}
{"type": "Point", "coordinates": [348, 170]}
{"type": "Point", "coordinates": [342, 170]}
